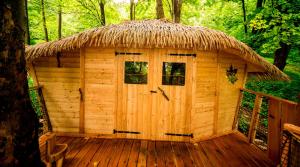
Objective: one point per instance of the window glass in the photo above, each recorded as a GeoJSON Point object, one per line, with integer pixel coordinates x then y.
{"type": "Point", "coordinates": [173, 73]}
{"type": "Point", "coordinates": [136, 72]}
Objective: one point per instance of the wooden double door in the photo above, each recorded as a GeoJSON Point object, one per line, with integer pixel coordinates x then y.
{"type": "Point", "coordinates": [154, 95]}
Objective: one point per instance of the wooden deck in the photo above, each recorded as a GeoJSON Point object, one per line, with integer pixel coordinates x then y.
{"type": "Point", "coordinates": [229, 150]}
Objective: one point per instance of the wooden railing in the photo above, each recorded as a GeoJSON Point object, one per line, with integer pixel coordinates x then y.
{"type": "Point", "coordinates": [41, 105]}
{"type": "Point", "coordinates": [280, 111]}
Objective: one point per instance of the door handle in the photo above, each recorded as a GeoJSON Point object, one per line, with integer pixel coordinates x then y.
{"type": "Point", "coordinates": [163, 93]}
{"type": "Point", "coordinates": [153, 91]}
{"type": "Point", "coordinates": [81, 94]}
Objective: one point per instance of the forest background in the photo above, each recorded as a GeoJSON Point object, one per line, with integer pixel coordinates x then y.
{"type": "Point", "coordinates": [270, 27]}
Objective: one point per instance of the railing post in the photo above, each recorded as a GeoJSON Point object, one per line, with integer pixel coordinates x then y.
{"type": "Point", "coordinates": [254, 118]}
{"type": "Point", "coordinates": [44, 108]}
{"type": "Point", "coordinates": [238, 106]}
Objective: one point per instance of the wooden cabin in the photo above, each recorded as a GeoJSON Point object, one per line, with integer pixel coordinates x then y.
{"type": "Point", "coordinates": [149, 79]}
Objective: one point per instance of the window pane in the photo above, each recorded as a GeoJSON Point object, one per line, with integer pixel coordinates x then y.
{"type": "Point", "coordinates": [136, 72]}
{"type": "Point", "coordinates": [173, 73]}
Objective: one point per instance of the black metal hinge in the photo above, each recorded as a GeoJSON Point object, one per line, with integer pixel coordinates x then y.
{"type": "Point", "coordinates": [178, 134]}
{"type": "Point", "coordinates": [181, 54]}
{"type": "Point", "coordinates": [125, 131]}
{"type": "Point", "coordinates": [127, 53]}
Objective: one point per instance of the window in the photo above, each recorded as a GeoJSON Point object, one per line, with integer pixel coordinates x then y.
{"type": "Point", "coordinates": [136, 72]}
{"type": "Point", "coordinates": [173, 73]}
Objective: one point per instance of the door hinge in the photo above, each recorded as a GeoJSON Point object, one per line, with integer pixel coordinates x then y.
{"type": "Point", "coordinates": [125, 131]}
{"type": "Point", "coordinates": [178, 134]}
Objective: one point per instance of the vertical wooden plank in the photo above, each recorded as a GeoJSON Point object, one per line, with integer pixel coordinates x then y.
{"type": "Point", "coordinates": [254, 118]}
{"type": "Point", "coordinates": [194, 87]}
{"type": "Point", "coordinates": [116, 86]}
{"type": "Point", "coordinates": [290, 114]}
{"type": "Point", "coordinates": [32, 73]}
{"type": "Point", "coordinates": [245, 75]}
{"type": "Point", "coordinates": [189, 94]}
{"type": "Point", "coordinates": [240, 99]}
{"type": "Point", "coordinates": [142, 160]}
{"type": "Point", "coordinates": [274, 130]}
{"type": "Point", "coordinates": [82, 90]}
{"type": "Point", "coordinates": [134, 154]}
{"type": "Point", "coordinates": [217, 87]}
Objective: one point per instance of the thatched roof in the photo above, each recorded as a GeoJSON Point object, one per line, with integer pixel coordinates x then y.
{"type": "Point", "coordinates": [155, 34]}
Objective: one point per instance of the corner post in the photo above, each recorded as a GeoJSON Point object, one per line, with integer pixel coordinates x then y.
{"type": "Point", "coordinates": [82, 90]}
{"type": "Point", "coordinates": [254, 118]}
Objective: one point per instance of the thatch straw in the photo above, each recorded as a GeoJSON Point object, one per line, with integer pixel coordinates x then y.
{"type": "Point", "coordinates": [155, 34]}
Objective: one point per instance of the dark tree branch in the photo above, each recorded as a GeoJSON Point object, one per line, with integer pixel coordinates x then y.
{"type": "Point", "coordinates": [159, 9]}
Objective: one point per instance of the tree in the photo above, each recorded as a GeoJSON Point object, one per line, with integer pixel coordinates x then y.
{"type": "Point", "coordinates": [175, 9]}
{"type": "Point", "coordinates": [95, 8]}
{"type": "Point", "coordinates": [244, 16]}
{"type": "Point", "coordinates": [159, 9]}
{"type": "Point", "coordinates": [102, 11]}
{"type": "Point", "coordinates": [27, 32]}
{"type": "Point", "coordinates": [132, 11]}
{"type": "Point", "coordinates": [44, 20]}
{"type": "Point", "coordinates": [18, 121]}
{"type": "Point", "coordinates": [277, 26]}
{"type": "Point", "coordinates": [59, 19]}
{"type": "Point", "coordinates": [176, 4]}
{"type": "Point", "coordinates": [259, 4]}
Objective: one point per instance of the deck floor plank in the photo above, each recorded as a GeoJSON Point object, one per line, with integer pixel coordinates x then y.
{"type": "Point", "coordinates": [161, 160]}
{"type": "Point", "coordinates": [170, 155]}
{"type": "Point", "coordinates": [229, 156]}
{"type": "Point", "coordinates": [78, 145]}
{"type": "Point", "coordinates": [98, 155]}
{"type": "Point", "coordinates": [185, 154]}
{"type": "Point", "coordinates": [152, 156]}
{"type": "Point", "coordinates": [95, 145]}
{"type": "Point", "coordinates": [107, 155]}
{"type": "Point", "coordinates": [134, 153]}
{"type": "Point", "coordinates": [142, 160]}
{"type": "Point", "coordinates": [252, 151]}
{"type": "Point", "coordinates": [194, 155]}
{"type": "Point", "coordinates": [248, 159]}
{"type": "Point", "coordinates": [117, 153]}
{"type": "Point", "coordinates": [230, 150]}
{"type": "Point", "coordinates": [179, 160]}
{"type": "Point", "coordinates": [123, 161]}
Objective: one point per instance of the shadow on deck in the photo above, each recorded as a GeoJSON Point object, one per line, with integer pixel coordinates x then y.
{"type": "Point", "coordinates": [228, 150]}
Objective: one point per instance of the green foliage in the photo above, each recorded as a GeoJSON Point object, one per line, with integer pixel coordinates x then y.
{"type": "Point", "coordinates": [243, 125]}
{"type": "Point", "coordinates": [34, 97]}
{"type": "Point", "coordinates": [286, 90]}
{"type": "Point", "coordinates": [277, 22]}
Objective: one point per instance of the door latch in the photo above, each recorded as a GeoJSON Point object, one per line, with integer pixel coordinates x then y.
{"type": "Point", "coordinates": [163, 93]}
{"type": "Point", "coordinates": [153, 91]}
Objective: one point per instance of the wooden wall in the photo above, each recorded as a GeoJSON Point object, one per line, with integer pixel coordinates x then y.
{"type": "Point", "coordinates": [100, 83]}
{"type": "Point", "coordinates": [202, 122]}
{"type": "Point", "coordinates": [228, 92]}
{"type": "Point", "coordinates": [60, 90]}
{"type": "Point", "coordinates": [215, 97]}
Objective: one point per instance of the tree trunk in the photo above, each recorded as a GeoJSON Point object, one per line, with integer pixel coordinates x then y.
{"type": "Point", "coordinates": [18, 121]}
{"type": "Point", "coordinates": [27, 32]}
{"type": "Point", "coordinates": [132, 10]}
{"type": "Point", "coordinates": [44, 20]}
{"type": "Point", "coordinates": [170, 7]}
{"type": "Point", "coordinates": [177, 10]}
{"type": "Point", "coordinates": [159, 10]}
{"type": "Point", "coordinates": [281, 55]}
{"type": "Point", "coordinates": [259, 4]}
{"type": "Point", "coordinates": [59, 20]}
{"type": "Point", "coordinates": [244, 14]}
{"type": "Point", "coordinates": [102, 11]}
